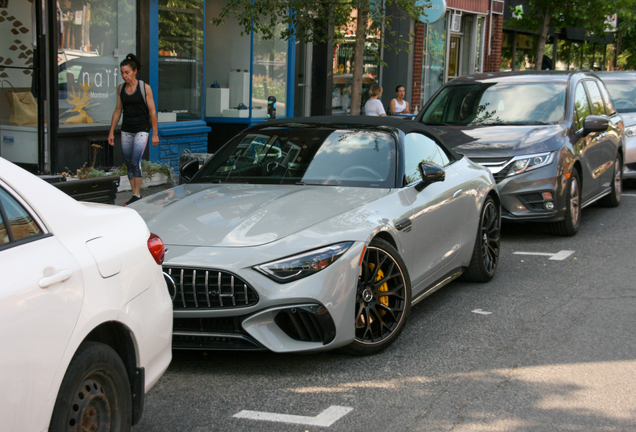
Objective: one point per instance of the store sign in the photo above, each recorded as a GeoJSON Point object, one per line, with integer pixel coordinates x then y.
{"type": "Point", "coordinates": [435, 10]}
{"type": "Point", "coordinates": [610, 23]}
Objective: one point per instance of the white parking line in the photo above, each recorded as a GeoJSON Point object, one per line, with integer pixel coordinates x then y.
{"type": "Point", "coordinates": [481, 312]}
{"type": "Point", "coordinates": [324, 419]}
{"type": "Point", "coordinates": [559, 256]}
{"type": "Point", "coordinates": [629, 194]}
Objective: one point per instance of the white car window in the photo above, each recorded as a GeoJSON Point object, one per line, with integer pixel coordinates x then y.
{"type": "Point", "coordinates": [15, 222]}
{"type": "Point", "coordinates": [420, 148]}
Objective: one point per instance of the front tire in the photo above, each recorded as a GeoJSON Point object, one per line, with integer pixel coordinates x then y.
{"type": "Point", "coordinates": [95, 394]}
{"type": "Point", "coordinates": [614, 198]}
{"type": "Point", "coordinates": [383, 299]}
{"type": "Point", "coordinates": [485, 259]}
{"type": "Point", "coordinates": [570, 224]}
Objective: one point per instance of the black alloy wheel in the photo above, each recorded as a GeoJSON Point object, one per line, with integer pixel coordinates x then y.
{"type": "Point", "coordinates": [95, 394]}
{"type": "Point", "coordinates": [485, 259]}
{"type": "Point", "coordinates": [614, 198]}
{"type": "Point", "coordinates": [383, 299]}
{"type": "Point", "coordinates": [571, 222]}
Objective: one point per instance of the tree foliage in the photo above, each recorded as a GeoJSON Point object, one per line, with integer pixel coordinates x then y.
{"type": "Point", "coordinates": [541, 15]}
{"type": "Point", "coordinates": [312, 20]}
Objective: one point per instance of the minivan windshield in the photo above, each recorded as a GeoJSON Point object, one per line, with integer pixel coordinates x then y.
{"type": "Point", "coordinates": [306, 156]}
{"type": "Point", "coordinates": [528, 103]}
{"type": "Point", "coordinates": [623, 93]}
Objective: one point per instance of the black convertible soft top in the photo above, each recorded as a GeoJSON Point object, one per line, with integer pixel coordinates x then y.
{"type": "Point", "coordinates": [404, 124]}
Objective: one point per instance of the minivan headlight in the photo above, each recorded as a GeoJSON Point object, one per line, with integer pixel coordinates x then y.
{"type": "Point", "coordinates": [299, 266]}
{"type": "Point", "coordinates": [527, 163]}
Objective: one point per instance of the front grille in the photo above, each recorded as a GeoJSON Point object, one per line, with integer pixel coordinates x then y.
{"type": "Point", "coordinates": [207, 289]}
{"type": "Point", "coordinates": [500, 167]}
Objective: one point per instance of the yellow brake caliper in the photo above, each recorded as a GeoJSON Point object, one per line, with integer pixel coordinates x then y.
{"type": "Point", "coordinates": [385, 287]}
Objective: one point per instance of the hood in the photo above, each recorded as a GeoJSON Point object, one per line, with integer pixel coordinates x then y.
{"type": "Point", "coordinates": [629, 118]}
{"type": "Point", "coordinates": [501, 141]}
{"type": "Point", "coordinates": [239, 215]}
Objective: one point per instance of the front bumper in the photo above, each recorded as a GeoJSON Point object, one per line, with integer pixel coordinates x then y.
{"type": "Point", "coordinates": [311, 314]}
{"type": "Point", "coordinates": [535, 195]}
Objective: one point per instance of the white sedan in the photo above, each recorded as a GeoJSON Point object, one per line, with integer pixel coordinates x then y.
{"type": "Point", "coordinates": [85, 318]}
{"type": "Point", "coordinates": [319, 233]}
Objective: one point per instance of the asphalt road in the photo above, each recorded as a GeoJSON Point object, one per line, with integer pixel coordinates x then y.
{"type": "Point", "coordinates": [548, 345]}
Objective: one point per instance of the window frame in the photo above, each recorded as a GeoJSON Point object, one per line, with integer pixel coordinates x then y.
{"type": "Point", "coordinates": [38, 222]}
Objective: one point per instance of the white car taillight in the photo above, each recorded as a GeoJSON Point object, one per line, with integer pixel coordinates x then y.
{"type": "Point", "coordinates": [156, 248]}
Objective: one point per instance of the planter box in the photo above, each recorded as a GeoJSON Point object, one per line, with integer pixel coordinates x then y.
{"type": "Point", "coordinates": [155, 180]}
{"type": "Point", "coordinates": [98, 189]}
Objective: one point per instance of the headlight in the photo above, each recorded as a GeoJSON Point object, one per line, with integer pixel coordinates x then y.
{"type": "Point", "coordinates": [527, 163]}
{"type": "Point", "coordinates": [299, 266]}
{"type": "Point", "coordinates": [630, 131]}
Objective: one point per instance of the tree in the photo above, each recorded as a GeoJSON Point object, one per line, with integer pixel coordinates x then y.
{"type": "Point", "coordinates": [311, 21]}
{"type": "Point", "coordinates": [541, 15]}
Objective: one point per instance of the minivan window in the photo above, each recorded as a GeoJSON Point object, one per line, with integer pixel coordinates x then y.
{"type": "Point", "coordinates": [581, 106]}
{"type": "Point", "coordinates": [598, 108]}
{"type": "Point", "coordinates": [500, 103]}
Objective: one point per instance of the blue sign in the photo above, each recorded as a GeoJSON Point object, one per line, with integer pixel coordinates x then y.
{"type": "Point", "coordinates": [435, 10]}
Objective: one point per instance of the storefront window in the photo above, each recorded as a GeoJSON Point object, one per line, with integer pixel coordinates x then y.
{"type": "Point", "coordinates": [94, 38]}
{"type": "Point", "coordinates": [181, 58]}
{"type": "Point", "coordinates": [343, 73]}
{"type": "Point", "coordinates": [20, 96]}
{"type": "Point", "coordinates": [269, 75]}
{"type": "Point", "coordinates": [434, 59]}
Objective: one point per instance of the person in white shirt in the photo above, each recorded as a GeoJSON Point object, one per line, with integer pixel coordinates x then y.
{"type": "Point", "coordinates": [399, 105]}
{"type": "Point", "coordinates": [374, 106]}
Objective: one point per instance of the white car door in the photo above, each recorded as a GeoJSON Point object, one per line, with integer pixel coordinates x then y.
{"type": "Point", "coordinates": [41, 294]}
{"type": "Point", "coordinates": [439, 211]}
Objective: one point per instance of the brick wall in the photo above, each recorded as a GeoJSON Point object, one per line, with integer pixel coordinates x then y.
{"type": "Point", "coordinates": [418, 63]}
{"type": "Point", "coordinates": [493, 61]}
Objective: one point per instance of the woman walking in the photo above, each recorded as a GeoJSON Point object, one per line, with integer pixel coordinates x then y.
{"type": "Point", "coordinates": [399, 105]}
{"type": "Point", "coordinates": [374, 107]}
{"type": "Point", "coordinates": [139, 113]}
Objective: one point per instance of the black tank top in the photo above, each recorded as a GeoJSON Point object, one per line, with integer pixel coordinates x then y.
{"type": "Point", "coordinates": [136, 115]}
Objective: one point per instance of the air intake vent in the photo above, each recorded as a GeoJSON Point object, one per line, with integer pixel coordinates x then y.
{"type": "Point", "coordinates": [307, 324]}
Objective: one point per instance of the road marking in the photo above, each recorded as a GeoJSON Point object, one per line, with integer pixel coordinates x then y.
{"type": "Point", "coordinates": [324, 419]}
{"type": "Point", "coordinates": [629, 194]}
{"type": "Point", "coordinates": [481, 312]}
{"type": "Point", "coordinates": [559, 256]}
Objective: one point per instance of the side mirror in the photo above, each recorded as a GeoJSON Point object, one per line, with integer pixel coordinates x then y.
{"type": "Point", "coordinates": [594, 123]}
{"type": "Point", "coordinates": [431, 173]}
{"type": "Point", "coordinates": [188, 170]}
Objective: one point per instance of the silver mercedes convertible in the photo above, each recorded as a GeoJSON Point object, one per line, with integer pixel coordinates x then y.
{"type": "Point", "coordinates": [310, 234]}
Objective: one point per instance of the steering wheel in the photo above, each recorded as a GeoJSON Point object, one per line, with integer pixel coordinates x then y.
{"type": "Point", "coordinates": [366, 169]}
{"type": "Point", "coordinates": [624, 103]}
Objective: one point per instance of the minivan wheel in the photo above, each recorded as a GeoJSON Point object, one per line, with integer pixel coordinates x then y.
{"type": "Point", "coordinates": [614, 198]}
{"type": "Point", "coordinates": [570, 224]}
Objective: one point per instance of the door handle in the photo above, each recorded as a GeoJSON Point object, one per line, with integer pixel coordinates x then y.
{"type": "Point", "coordinates": [61, 276]}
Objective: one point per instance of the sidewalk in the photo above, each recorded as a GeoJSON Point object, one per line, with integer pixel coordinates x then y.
{"type": "Point", "coordinates": [124, 196]}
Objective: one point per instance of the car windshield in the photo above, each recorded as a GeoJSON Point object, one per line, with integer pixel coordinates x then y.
{"type": "Point", "coordinates": [623, 94]}
{"type": "Point", "coordinates": [305, 156]}
{"type": "Point", "coordinates": [525, 103]}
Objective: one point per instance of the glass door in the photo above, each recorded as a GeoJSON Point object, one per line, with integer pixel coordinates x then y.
{"type": "Point", "coordinates": [454, 50]}
{"type": "Point", "coordinates": [20, 82]}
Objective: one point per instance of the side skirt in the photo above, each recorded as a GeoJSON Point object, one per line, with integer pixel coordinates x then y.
{"type": "Point", "coordinates": [596, 198]}
{"type": "Point", "coordinates": [445, 280]}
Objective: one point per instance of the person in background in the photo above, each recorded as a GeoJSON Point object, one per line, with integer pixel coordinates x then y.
{"type": "Point", "coordinates": [139, 114]}
{"type": "Point", "coordinates": [374, 107]}
{"type": "Point", "coordinates": [399, 105]}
